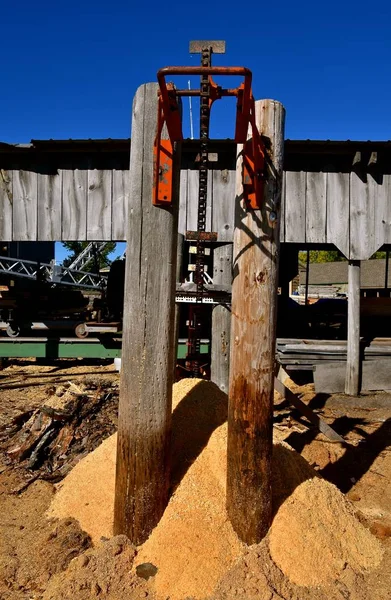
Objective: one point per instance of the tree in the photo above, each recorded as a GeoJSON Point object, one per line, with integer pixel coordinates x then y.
{"type": "Point", "coordinates": [378, 255]}
{"type": "Point", "coordinates": [322, 256]}
{"type": "Point", "coordinates": [76, 248]}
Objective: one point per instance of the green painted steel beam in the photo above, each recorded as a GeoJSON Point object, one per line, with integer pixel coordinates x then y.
{"type": "Point", "coordinates": [70, 348]}
{"type": "Point", "coordinates": [182, 350]}
{"type": "Point", "coordinates": [56, 349]}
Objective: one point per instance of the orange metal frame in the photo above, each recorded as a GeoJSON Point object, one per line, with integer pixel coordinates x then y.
{"type": "Point", "coordinates": [169, 114]}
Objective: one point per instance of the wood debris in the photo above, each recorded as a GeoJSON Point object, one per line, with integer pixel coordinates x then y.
{"type": "Point", "coordinates": [72, 421]}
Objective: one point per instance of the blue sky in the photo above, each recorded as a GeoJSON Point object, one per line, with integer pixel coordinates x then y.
{"type": "Point", "coordinates": [70, 69]}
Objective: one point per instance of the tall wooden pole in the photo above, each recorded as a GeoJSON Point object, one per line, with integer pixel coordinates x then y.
{"type": "Point", "coordinates": [178, 277]}
{"type": "Point", "coordinates": [307, 277]}
{"type": "Point", "coordinates": [221, 319]}
{"type": "Point", "coordinates": [254, 302]}
{"type": "Point", "coordinates": [352, 381]}
{"type": "Point", "coordinates": [142, 475]}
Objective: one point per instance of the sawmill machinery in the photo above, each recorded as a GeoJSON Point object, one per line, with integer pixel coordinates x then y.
{"type": "Point", "coordinates": [55, 299]}
{"type": "Point", "coordinates": [253, 152]}
{"type": "Point", "coordinates": [73, 275]}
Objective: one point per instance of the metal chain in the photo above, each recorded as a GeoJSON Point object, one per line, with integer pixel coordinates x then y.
{"type": "Point", "coordinates": [202, 200]}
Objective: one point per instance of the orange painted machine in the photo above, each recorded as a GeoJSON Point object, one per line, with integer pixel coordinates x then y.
{"type": "Point", "coordinates": [246, 133]}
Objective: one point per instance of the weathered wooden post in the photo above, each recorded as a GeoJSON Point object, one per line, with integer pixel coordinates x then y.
{"type": "Point", "coordinates": [221, 319]}
{"type": "Point", "coordinates": [254, 303]}
{"type": "Point", "coordinates": [178, 279]}
{"type": "Point", "coordinates": [352, 381]}
{"type": "Point", "coordinates": [142, 475]}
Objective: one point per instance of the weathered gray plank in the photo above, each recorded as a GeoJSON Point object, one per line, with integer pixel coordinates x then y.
{"type": "Point", "coordinates": [178, 277]}
{"type": "Point", "coordinates": [6, 202]}
{"type": "Point", "coordinates": [382, 193]}
{"type": "Point", "coordinates": [74, 205]}
{"type": "Point", "coordinates": [317, 222]}
{"type": "Point", "coordinates": [49, 206]}
{"type": "Point", "coordinates": [283, 209]}
{"type": "Point", "coordinates": [385, 213]}
{"type": "Point", "coordinates": [315, 209]}
{"type": "Point", "coordinates": [192, 199]}
{"type": "Point", "coordinates": [143, 451]}
{"type": "Point", "coordinates": [223, 186]}
{"type": "Point", "coordinates": [329, 378]}
{"type": "Point", "coordinates": [120, 203]}
{"type": "Point", "coordinates": [352, 381]}
{"type": "Point", "coordinates": [337, 195]}
{"type": "Point", "coordinates": [208, 220]}
{"type": "Point", "coordinates": [183, 192]}
{"type": "Point", "coordinates": [221, 319]}
{"type": "Point", "coordinates": [99, 204]}
{"type": "Point", "coordinates": [295, 206]}
{"type": "Point", "coordinates": [362, 217]}
{"type": "Point", "coordinates": [25, 189]}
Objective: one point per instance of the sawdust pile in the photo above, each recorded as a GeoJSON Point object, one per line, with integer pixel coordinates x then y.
{"type": "Point", "coordinates": [100, 573]}
{"type": "Point", "coordinates": [33, 548]}
{"type": "Point", "coordinates": [314, 537]}
{"type": "Point", "coordinates": [330, 536]}
{"type": "Point", "coordinates": [87, 493]}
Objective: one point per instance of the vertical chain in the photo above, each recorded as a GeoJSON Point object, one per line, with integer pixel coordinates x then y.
{"type": "Point", "coordinates": [202, 200]}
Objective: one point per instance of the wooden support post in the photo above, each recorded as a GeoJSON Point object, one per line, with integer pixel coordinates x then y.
{"type": "Point", "coordinates": [221, 319]}
{"type": "Point", "coordinates": [142, 475]}
{"type": "Point", "coordinates": [352, 380]}
{"type": "Point", "coordinates": [254, 302]}
{"type": "Point", "coordinates": [178, 277]}
{"type": "Point", "coordinates": [307, 277]}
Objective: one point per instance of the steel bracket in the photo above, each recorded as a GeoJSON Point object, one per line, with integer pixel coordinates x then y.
{"type": "Point", "coordinates": [169, 115]}
{"type": "Point", "coordinates": [254, 170]}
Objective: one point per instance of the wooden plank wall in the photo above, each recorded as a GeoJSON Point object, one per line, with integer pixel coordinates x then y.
{"type": "Point", "coordinates": [344, 209]}
{"type": "Point", "coordinates": [70, 204]}
{"type": "Point", "coordinates": [220, 203]}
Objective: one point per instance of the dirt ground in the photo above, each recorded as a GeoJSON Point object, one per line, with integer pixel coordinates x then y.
{"type": "Point", "coordinates": [34, 548]}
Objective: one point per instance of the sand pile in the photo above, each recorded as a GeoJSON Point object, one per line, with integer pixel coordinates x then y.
{"type": "Point", "coordinates": [314, 536]}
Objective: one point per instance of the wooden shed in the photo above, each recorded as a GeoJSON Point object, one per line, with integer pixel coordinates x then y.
{"type": "Point", "coordinates": [335, 193]}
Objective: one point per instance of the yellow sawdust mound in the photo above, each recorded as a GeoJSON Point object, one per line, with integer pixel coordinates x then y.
{"type": "Point", "coordinates": [194, 545]}
{"type": "Point", "coordinates": [315, 535]}
{"type": "Point", "coordinates": [87, 493]}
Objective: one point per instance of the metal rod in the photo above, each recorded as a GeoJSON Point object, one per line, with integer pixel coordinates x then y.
{"type": "Point", "coordinates": [197, 92]}
{"type": "Point", "coordinates": [244, 71]}
{"type": "Point", "coordinates": [191, 114]}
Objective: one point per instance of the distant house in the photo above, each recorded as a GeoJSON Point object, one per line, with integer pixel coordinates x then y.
{"type": "Point", "coordinates": [331, 278]}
